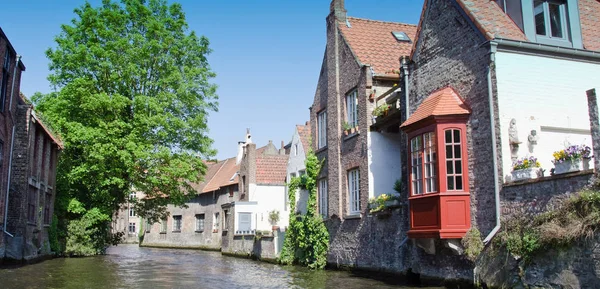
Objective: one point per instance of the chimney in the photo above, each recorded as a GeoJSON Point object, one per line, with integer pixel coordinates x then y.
{"type": "Point", "coordinates": [282, 149]}
{"type": "Point", "coordinates": [337, 8]}
{"type": "Point", "coordinates": [240, 153]}
{"type": "Point", "coordinates": [248, 136]}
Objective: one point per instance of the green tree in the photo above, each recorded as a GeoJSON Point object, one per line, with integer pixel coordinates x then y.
{"type": "Point", "coordinates": [133, 92]}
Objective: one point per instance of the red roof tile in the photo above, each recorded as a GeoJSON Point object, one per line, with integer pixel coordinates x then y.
{"type": "Point", "coordinates": [222, 177]}
{"type": "Point", "coordinates": [304, 132]}
{"type": "Point", "coordinates": [374, 44]}
{"type": "Point", "coordinates": [589, 17]}
{"type": "Point", "coordinates": [271, 169]}
{"type": "Point", "coordinates": [441, 102]}
{"type": "Point", "coordinates": [494, 23]}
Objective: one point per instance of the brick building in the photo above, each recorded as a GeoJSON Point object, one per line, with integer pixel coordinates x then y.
{"type": "Point", "coordinates": [29, 159]}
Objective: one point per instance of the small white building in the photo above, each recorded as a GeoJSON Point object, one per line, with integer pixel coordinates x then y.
{"type": "Point", "coordinates": [299, 147]}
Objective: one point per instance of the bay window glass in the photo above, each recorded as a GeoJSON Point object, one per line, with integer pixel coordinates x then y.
{"type": "Point", "coordinates": [454, 174]}
{"type": "Point", "coordinates": [423, 164]}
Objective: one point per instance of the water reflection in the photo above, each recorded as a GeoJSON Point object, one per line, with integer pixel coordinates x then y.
{"type": "Point", "coordinates": [128, 266]}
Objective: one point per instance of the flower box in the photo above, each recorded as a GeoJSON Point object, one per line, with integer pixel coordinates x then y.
{"type": "Point", "coordinates": [392, 203]}
{"type": "Point", "coordinates": [568, 166]}
{"type": "Point", "coordinates": [525, 174]}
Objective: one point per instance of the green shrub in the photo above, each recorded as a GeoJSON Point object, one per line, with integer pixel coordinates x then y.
{"type": "Point", "coordinates": [473, 244]}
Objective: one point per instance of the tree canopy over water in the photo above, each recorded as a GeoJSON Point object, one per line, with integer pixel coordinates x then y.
{"type": "Point", "coordinates": [133, 92]}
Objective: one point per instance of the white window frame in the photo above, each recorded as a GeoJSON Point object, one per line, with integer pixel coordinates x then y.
{"type": "Point", "coordinates": [322, 129]}
{"type": "Point", "coordinates": [200, 222]}
{"type": "Point", "coordinates": [323, 198]}
{"type": "Point", "coordinates": [177, 223]}
{"type": "Point", "coordinates": [354, 191]}
{"type": "Point", "coordinates": [131, 225]}
{"type": "Point", "coordinates": [131, 211]}
{"type": "Point", "coordinates": [163, 226]}
{"type": "Point", "coordinates": [352, 108]}
{"type": "Point", "coordinates": [243, 219]}
{"type": "Point", "coordinates": [216, 219]}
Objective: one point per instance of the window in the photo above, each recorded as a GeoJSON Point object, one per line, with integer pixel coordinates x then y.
{"type": "Point", "coordinates": [200, 223]}
{"type": "Point", "coordinates": [31, 201]}
{"type": "Point", "coordinates": [132, 196]}
{"type": "Point", "coordinates": [47, 206]}
{"type": "Point", "coordinates": [354, 191]}
{"type": "Point", "coordinates": [131, 212]}
{"type": "Point", "coordinates": [176, 223]}
{"type": "Point", "coordinates": [322, 129]}
{"type": "Point", "coordinates": [323, 197]}
{"type": "Point", "coordinates": [131, 228]}
{"type": "Point", "coordinates": [352, 109]}
{"type": "Point", "coordinates": [454, 177]}
{"type": "Point", "coordinates": [5, 73]}
{"type": "Point", "coordinates": [423, 160]}
{"type": "Point", "coordinates": [550, 18]}
{"type": "Point", "coordinates": [225, 219]}
{"type": "Point", "coordinates": [245, 222]}
{"type": "Point", "coordinates": [216, 222]}
{"type": "Point", "coordinates": [163, 226]}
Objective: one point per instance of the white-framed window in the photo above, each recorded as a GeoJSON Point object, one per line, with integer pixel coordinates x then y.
{"type": "Point", "coordinates": [423, 164]}
{"type": "Point", "coordinates": [323, 197]}
{"type": "Point", "coordinates": [199, 222]}
{"type": "Point", "coordinates": [322, 129]}
{"type": "Point", "coordinates": [177, 223]}
{"type": "Point", "coordinates": [132, 196]}
{"type": "Point", "coordinates": [354, 191]}
{"type": "Point", "coordinates": [163, 226]}
{"type": "Point", "coordinates": [216, 220]}
{"type": "Point", "coordinates": [131, 212]}
{"type": "Point", "coordinates": [296, 149]}
{"type": "Point", "coordinates": [244, 222]}
{"type": "Point", "coordinates": [454, 174]}
{"type": "Point", "coordinates": [132, 228]}
{"type": "Point", "coordinates": [352, 108]}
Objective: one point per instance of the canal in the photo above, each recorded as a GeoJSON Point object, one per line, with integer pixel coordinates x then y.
{"type": "Point", "coordinates": [129, 266]}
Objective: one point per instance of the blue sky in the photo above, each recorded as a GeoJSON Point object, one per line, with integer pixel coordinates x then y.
{"type": "Point", "coordinates": [267, 55]}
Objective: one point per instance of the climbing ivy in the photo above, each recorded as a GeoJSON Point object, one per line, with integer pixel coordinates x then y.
{"type": "Point", "coordinates": [307, 239]}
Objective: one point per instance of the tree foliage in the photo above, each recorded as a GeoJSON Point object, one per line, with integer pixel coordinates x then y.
{"type": "Point", "coordinates": [307, 239]}
{"type": "Point", "coordinates": [133, 92]}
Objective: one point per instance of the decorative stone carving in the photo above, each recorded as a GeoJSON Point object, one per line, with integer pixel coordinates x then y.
{"type": "Point", "coordinates": [532, 140]}
{"type": "Point", "coordinates": [513, 138]}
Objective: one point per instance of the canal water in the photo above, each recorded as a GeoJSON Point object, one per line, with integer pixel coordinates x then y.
{"type": "Point", "coordinates": [129, 266]}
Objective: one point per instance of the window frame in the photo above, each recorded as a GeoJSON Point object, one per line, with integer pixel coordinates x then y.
{"type": "Point", "coordinates": [440, 162]}
{"type": "Point", "coordinates": [353, 188]}
{"type": "Point", "coordinates": [131, 225]}
{"type": "Point", "coordinates": [352, 108]}
{"type": "Point", "coordinates": [239, 227]}
{"type": "Point", "coordinates": [422, 182]}
{"type": "Point", "coordinates": [200, 218]}
{"type": "Point", "coordinates": [177, 223]}
{"type": "Point", "coordinates": [163, 226]}
{"type": "Point", "coordinates": [322, 129]}
{"type": "Point", "coordinates": [216, 220]}
{"type": "Point", "coordinates": [323, 198]}
{"type": "Point", "coordinates": [570, 22]}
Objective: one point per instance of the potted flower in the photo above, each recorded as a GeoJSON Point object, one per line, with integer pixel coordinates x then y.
{"type": "Point", "coordinates": [571, 159]}
{"type": "Point", "coordinates": [346, 127]}
{"type": "Point", "coordinates": [382, 201]}
{"type": "Point", "coordinates": [381, 110]}
{"type": "Point", "coordinates": [526, 168]}
{"type": "Point", "coordinates": [273, 219]}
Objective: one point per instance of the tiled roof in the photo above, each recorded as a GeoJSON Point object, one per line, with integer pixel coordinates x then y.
{"type": "Point", "coordinates": [494, 23]}
{"type": "Point", "coordinates": [589, 17]}
{"type": "Point", "coordinates": [374, 44]}
{"type": "Point", "coordinates": [222, 176]}
{"type": "Point", "coordinates": [271, 169]}
{"type": "Point", "coordinates": [304, 132]}
{"type": "Point", "coordinates": [441, 102]}
{"type": "Point", "coordinates": [491, 20]}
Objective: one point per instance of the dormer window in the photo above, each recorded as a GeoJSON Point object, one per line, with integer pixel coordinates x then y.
{"type": "Point", "coordinates": [550, 18]}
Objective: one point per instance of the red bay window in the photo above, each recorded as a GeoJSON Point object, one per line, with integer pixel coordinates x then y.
{"type": "Point", "coordinates": [439, 188]}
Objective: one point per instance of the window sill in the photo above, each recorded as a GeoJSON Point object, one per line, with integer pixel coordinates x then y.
{"type": "Point", "coordinates": [215, 230]}
{"type": "Point", "coordinates": [163, 233]}
{"type": "Point", "coordinates": [176, 231]}
{"type": "Point", "coordinates": [352, 135]}
{"type": "Point", "coordinates": [353, 216]}
{"type": "Point", "coordinates": [199, 231]}
{"type": "Point", "coordinates": [321, 150]}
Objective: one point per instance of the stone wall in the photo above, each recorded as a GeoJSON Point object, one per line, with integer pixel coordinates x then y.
{"type": "Point", "coordinates": [540, 195]}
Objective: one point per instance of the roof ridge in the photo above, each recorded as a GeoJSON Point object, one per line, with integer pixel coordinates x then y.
{"type": "Point", "coordinates": [381, 21]}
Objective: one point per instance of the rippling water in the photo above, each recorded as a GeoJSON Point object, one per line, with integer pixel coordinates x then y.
{"type": "Point", "coordinates": [128, 266]}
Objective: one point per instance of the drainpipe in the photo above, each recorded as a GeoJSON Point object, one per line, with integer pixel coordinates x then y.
{"type": "Point", "coordinates": [406, 90]}
{"type": "Point", "coordinates": [493, 46]}
{"type": "Point", "coordinates": [12, 143]}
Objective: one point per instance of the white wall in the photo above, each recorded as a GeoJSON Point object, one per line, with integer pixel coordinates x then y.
{"type": "Point", "coordinates": [269, 198]}
{"type": "Point", "coordinates": [245, 207]}
{"type": "Point", "coordinates": [384, 162]}
{"type": "Point", "coordinates": [295, 165]}
{"type": "Point", "coordinates": [545, 94]}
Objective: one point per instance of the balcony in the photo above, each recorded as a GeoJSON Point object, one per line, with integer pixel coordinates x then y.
{"type": "Point", "coordinates": [387, 120]}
